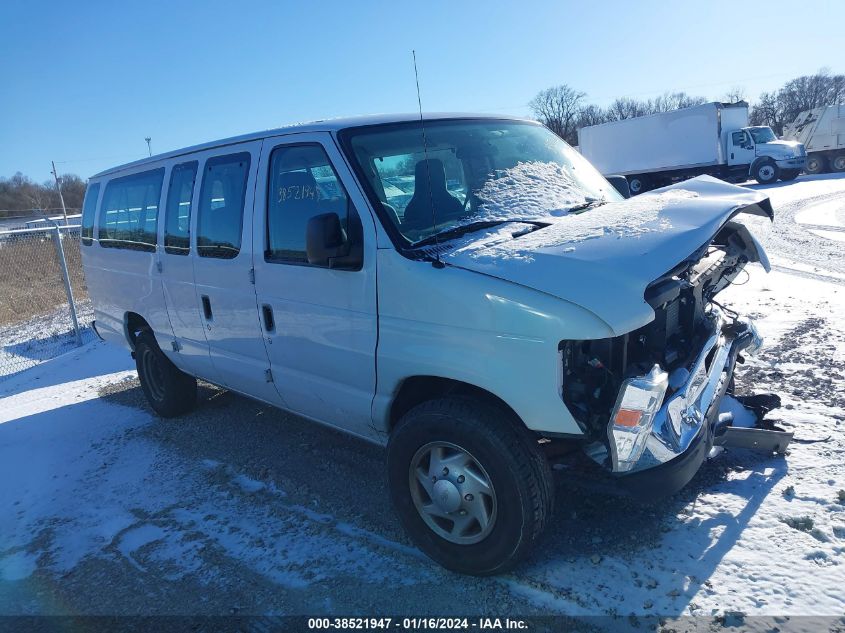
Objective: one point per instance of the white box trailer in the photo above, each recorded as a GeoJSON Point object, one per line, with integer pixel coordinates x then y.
{"type": "Point", "coordinates": [822, 131]}
{"type": "Point", "coordinates": [712, 138]}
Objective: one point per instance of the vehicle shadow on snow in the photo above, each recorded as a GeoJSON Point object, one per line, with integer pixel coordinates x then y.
{"type": "Point", "coordinates": [666, 551]}
{"type": "Point", "coordinates": [669, 548]}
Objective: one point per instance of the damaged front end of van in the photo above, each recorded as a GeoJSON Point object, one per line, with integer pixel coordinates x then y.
{"type": "Point", "coordinates": [649, 399]}
{"type": "Point", "coordinates": [652, 398]}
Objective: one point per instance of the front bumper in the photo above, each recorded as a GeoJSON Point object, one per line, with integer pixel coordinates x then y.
{"type": "Point", "coordinates": [682, 432]}
{"type": "Point", "coordinates": [792, 163]}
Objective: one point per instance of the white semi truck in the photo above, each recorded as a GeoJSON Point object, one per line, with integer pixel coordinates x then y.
{"type": "Point", "coordinates": [712, 138]}
{"type": "Point", "coordinates": [822, 131]}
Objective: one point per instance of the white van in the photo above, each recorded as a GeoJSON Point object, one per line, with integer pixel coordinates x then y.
{"type": "Point", "coordinates": [467, 290]}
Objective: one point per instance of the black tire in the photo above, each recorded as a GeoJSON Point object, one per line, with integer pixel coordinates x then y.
{"type": "Point", "coordinates": [169, 391]}
{"type": "Point", "coordinates": [837, 163]}
{"type": "Point", "coordinates": [789, 174]}
{"type": "Point", "coordinates": [766, 171]}
{"type": "Point", "coordinates": [518, 472]}
{"type": "Point", "coordinates": [637, 185]}
{"type": "Point", "coordinates": [816, 164]}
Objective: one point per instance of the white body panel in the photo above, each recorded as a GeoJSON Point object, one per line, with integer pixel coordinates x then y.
{"type": "Point", "coordinates": [323, 345]}
{"type": "Point", "coordinates": [821, 129]}
{"type": "Point", "coordinates": [180, 295]}
{"type": "Point", "coordinates": [235, 339]}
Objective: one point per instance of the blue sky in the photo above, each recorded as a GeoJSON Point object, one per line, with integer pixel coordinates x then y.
{"type": "Point", "coordinates": [84, 82]}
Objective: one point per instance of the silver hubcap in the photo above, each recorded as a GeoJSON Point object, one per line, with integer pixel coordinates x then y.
{"type": "Point", "coordinates": [813, 165]}
{"type": "Point", "coordinates": [766, 172]}
{"type": "Point", "coordinates": [452, 492]}
{"type": "Point", "coordinates": [153, 374]}
{"type": "Point", "coordinates": [839, 163]}
{"type": "Point", "coordinates": [635, 186]}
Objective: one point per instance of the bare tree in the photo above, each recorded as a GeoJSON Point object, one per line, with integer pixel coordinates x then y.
{"type": "Point", "coordinates": [735, 95]}
{"type": "Point", "coordinates": [767, 111]}
{"type": "Point", "coordinates": [20, 194]}
{"type": "Point", "coordinates": [627, 108]}
{"type": "Point", "coordinates": [558, 108]}
{"type": "Point", "coordinates": [796, 96]}
{"type": "Point", "coordinates": [590, 115]}
{"type": "Point", "coordinates": [810, 91]}
{"type": "Point", "coordinates": [669, 101]}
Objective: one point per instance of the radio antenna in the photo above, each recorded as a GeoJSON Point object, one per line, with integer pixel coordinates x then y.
{"type": "Point", "coordinates": [437, 263]}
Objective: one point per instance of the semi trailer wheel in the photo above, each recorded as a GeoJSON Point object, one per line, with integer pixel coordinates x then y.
{"type": "Point", "coordinates": [815, 164]}
{"type": "Point", "coordinates": [837, 163]}
{"type": "Point", "coordinates": [766, 171]}
{"type": "Point", "coordinates": [469, 483]}
{"type": "Point", "coordinates": [169, 391]}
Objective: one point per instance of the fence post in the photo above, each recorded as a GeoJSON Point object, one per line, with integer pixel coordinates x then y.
{"type": "Point", "coordinates": [60, 251]}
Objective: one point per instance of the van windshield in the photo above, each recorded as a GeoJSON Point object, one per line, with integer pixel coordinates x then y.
{"type": "Point", "coordinates": [472, 172]}
{"type": "Point", "coordinates": [762, 134]}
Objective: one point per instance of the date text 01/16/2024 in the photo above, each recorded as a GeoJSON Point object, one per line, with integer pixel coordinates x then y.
{"type": "Point", "coordinates": [417, 624]}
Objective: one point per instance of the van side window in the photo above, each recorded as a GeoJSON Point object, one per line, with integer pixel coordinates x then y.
{"type": "Point", "coordinates": [177, 214]}
{"type": "Point", "coordinates": [89, 208]}
{"type": "Point", "coordinates": [738, 138]}
{"type": "Point", "coordinates": [221, 207]}
{"type": "Point", "coordinates": [303, 184]}
{"type": "Point", "coordinates": [129, 212]}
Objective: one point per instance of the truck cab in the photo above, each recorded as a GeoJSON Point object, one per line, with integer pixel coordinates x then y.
{"type": "Point", "coordinates": [768, 157]}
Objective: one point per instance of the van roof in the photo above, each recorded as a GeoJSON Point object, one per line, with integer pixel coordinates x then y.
{"type": "Point", "coordinates": [326, 125]}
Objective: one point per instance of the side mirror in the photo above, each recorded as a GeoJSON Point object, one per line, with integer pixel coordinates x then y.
{"type": "Point", "coordinates": [325, 239]}
{"type": "Point", "coordinates": [620, 183]}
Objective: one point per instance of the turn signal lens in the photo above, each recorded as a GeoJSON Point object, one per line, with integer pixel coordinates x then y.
{"type": "Point", "coordinates": [628, 417]}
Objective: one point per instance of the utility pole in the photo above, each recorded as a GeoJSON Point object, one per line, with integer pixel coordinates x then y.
{"type": "Point", "coordinates": [59, 187]}
{"type": "Point", "coordinates": [149, 147]}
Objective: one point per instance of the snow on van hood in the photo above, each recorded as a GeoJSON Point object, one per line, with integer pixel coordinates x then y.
{"type": "Point", "coordinates": [604, 258]}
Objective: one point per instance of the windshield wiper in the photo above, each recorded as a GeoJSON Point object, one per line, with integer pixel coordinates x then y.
{"type": "Point", "coordinates": [458, 231]}
{"type": "Point", "coordinates": [589, 204]}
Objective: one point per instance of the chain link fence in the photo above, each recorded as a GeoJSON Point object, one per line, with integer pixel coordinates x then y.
{"type": "Point", "coordinates": [44, 305]}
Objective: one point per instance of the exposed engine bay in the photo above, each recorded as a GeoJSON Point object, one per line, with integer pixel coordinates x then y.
{"type": "Point", "coordinates": [682, 299]}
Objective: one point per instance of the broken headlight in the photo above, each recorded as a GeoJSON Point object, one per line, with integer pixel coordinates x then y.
{"type": "Point", "coordinates": [633, 416]}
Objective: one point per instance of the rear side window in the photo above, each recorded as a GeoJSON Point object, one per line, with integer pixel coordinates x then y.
{"type": "Point", "coordinates": [89, 209]}
{"type": "Point", "coordinates": [303, 184]}
{"type": "Point", "coordinates": [221, 206]}
{"type": "Point", "coordinates": [177, 215]}
{"type": "Point", "coordinates": [129, 212]}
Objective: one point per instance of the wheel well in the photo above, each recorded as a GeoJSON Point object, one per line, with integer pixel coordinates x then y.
{"type": "Point", "coordinates": [418, 389]}
{"type": "Point", "coordinates": [133, 324]}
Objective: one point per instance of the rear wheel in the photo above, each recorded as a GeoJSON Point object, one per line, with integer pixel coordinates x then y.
{"type": "Point", "coordinates": [766, 171]}
{"type": "Point", "coordinates": [470, 485]}
{"type": "Point", "coordinates": [789, 174]}
{"type": "Point", "coordinates": [815, 164]}
{"type": "Point", "coordinates": [837, 163]}
{"type": "Point", "coordinates": [169, 391]}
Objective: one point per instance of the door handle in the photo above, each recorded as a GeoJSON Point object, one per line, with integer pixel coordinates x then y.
{"type": "Point", "coordinates": [206, 308]}
{"type": "Point", "coordinates": [269, 322]}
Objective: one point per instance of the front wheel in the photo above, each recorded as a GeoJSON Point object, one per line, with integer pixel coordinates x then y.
{"type": "Point", "coordinates": [766, 172]}
{"type": "Point", "coordinates": [470, 485]}
{"type": "Point", "coordinates": [169, 391]}
{"type": "Point", "coordinates": [789, 174]}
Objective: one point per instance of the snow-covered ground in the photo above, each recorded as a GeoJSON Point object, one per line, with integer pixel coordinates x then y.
{"type": "Point", "coordinates": [240, 508]}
